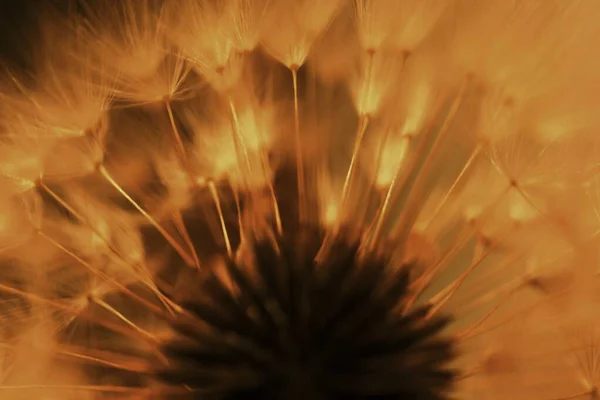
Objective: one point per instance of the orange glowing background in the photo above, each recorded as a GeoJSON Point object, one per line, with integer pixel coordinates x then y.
{"type": "Point", "coordinates": [462, 133]}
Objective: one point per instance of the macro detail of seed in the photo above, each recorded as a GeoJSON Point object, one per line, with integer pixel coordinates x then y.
{"type": "Point", "coordinates": [299, 199]}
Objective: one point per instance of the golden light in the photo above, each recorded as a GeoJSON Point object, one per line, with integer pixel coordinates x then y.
{"type": "Point", "coordinates": [191, 187]}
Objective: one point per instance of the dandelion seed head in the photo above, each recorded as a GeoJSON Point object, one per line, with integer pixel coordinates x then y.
{"type": "Point", "coordinates": [309, 199]}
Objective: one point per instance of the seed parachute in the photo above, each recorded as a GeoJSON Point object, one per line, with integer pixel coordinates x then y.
{"type": "Point", "coordinates": [299, 199]}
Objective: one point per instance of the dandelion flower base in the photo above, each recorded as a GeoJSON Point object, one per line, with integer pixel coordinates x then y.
{"type": "Point", "coordinates": [283, 323]}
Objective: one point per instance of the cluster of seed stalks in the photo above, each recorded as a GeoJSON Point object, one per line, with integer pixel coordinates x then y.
{"type": "Point", "coordinates": [300, 199]}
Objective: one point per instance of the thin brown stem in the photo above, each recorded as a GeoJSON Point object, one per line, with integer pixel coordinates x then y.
{"type": "Point", "coordinates": [384, 208]}
{"type": "Point", "coordinates": [75, 311]}
{"type": "Point", "coordinates": [120, 259]}
{"type": "Point", "coordinates": [240, 143]}
{"type": "Point", "coordinates": [181, 228]}
{"type": "Point", "coordinates": [215, 196]}
{"type": "Point", "coordinates": [267, 170]}
{"type": "Point", "coordinates": [407, 216]}
{"type": "Point", "coordinates": [423, 281]}
{"type": "Point", "coordinates": [180, 146]}
{"type": "Point", "coordinates": [487, 316]}
{"type": "Point", "coordinates": [363, 122]}
{"type": "Point", "coordinates": [122, 317]}
{"type": "Point", "coordinates": [360, 133]}
{"type": "Point", "coordinates": [101, 357]}
{"type": "Point", "coordinates": [458, 179]}
{"type": "Point", "coordinates": [302, 200]}
{"type": "Point", "coordinates": [168, 237]}
{"type": "Point", "coordinates": [102, 275]}
{"type": "Point", "coordinates": [457, 283]}
{"type": "Point", "coordinates": [61, 201]}
{"type": "Point", "coordinates": [238, 209]}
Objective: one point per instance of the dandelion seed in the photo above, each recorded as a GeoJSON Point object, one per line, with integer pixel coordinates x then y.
{"type": "Point", "coordinates": [313, 199]}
